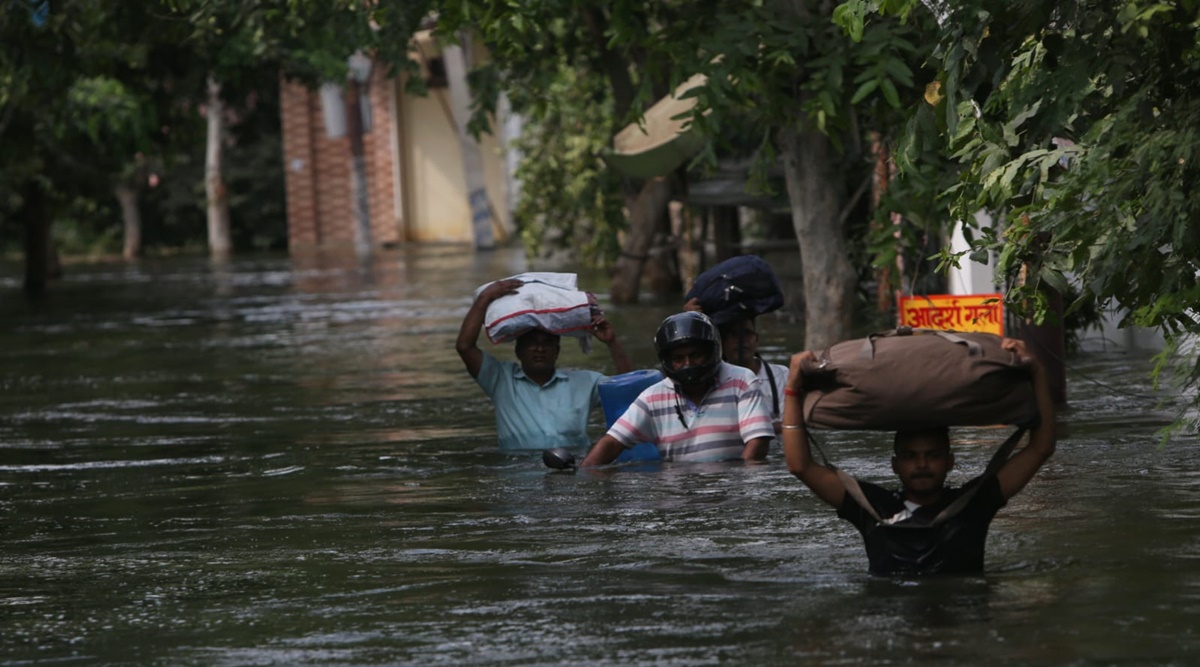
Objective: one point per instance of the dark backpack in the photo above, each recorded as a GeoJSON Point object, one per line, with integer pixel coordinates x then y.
{"type": "Point", "coordinates": [742, 286]}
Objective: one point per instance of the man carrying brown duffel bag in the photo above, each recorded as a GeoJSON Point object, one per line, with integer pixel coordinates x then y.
{"type": "Point", "coordinates": [910, 379]}
{"type": "Point", "coordinates": [925, 527]}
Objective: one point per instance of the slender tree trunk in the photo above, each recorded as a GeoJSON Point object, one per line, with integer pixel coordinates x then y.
{"type": "Point", "coordinates": [1048, 343]}
{"type": "Point", "coordinates": [727, 232]}
{"type": "Point", "coordinates": [814, 187]}
{"type": "Point", "coordinates": [219, 244]}
{"type": "Point", "coordinates": [662, 274]}
{"type": "Point", "coordinates": [54, 269]}
{"type": "Point", "coordinates": [127, 196]}
{"type": "Point", "coordinates": [881, 177]}
{"type": "Point", "coordinates": [613, 64]}
{"type": "Point", "coordinates": [358, 170]}
{"type": "Point", "coordinates": [685, 226]}
{"type": "Point", "coordinates": [36, 218]}
{"type": "Point", "coordinates": [648, 209]}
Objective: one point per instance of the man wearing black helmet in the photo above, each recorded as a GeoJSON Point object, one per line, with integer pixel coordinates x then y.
{"type": "Point", "coordinates": [739, 346]}
{"type": "Point", "coordinates": [704, 410]}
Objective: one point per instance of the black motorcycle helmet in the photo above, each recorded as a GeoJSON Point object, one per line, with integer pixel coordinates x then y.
{"type": "Point", "coordinates": [689, 328]}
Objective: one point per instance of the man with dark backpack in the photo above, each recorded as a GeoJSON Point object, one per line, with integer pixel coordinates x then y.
{"type": "Point", "coordinates": [925, 527]}
{"type": "Point", "coordinates": [739, 346]}
{"type": "Point", "coordinates": [733, 294]}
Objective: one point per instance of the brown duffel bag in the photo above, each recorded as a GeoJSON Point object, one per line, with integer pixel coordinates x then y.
{"type": "Point", "coordinates": [918, 378]}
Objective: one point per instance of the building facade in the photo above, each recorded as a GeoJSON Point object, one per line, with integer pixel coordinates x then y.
{"type": "Point", "coordinates": [428, 181]}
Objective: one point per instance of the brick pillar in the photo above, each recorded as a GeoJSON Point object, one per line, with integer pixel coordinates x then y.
{"type": "Point", "coordinates": [299, 165]}
{"type": "Point", "coordinates": [331, 182]}
{"type": "Point", "coordinates": [384, 222]}
{"type": "Point", "coordinates": [317, 169]}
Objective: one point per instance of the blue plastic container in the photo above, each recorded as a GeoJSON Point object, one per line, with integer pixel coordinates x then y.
{"type": "Point", "coordinates": [616, 395]}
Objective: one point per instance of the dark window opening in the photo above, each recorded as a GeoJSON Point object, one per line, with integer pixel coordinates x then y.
{"type": "Point", "coordinates": [437, 73]}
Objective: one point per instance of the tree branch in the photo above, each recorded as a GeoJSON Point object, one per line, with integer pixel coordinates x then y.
{"type": "Point", "coordinates": [853, 201]}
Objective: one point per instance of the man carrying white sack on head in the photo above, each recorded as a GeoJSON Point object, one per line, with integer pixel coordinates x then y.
{"type": "Point", "coordinates": [538, 405]}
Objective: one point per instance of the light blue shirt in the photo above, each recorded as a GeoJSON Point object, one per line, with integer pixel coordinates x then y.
{"type": "Point", "coordinates": [533, 416]}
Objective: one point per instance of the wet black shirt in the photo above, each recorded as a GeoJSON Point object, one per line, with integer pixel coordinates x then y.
{"type": "Point", "coordinates": [912, 545]}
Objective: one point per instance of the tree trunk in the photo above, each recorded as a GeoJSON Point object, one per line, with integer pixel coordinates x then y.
{"type": "Point", "coordinates": [613, 64]}
{"type": "Point", "coordinates": [54, 269]}
{"type": "Point", "coordinates": [727, 232]}
{"type": "Point", "coordinates": [219, 244]}
{"type": "Point", "coordinates": [881, 177]}
{"type": "Point", "coordinates": [36, 218]}
{"type": "Point", "coordinates": [686, 225]}
{"type": "Point", "coordinates": [128, 197]}
{"type": "Point", "coordinates": [662, 273]}
{"type": "Point", "coordinates": [648, 209]}
{"type": "Point", "coordinates": [358, 171]}
{"type": "Point", "coordinates": [1048, 343]}
{"type": "Point", "coordinates": [814, 187]}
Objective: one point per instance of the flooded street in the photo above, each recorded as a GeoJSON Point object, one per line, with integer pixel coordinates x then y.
{"type": "Point", "coordinates": [285, 463]}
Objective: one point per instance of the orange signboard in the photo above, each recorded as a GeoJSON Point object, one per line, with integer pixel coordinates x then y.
{"type": "Point", "coordinates": [950, 312]}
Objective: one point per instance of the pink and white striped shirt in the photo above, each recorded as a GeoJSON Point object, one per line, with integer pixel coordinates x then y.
{"type": "Point", "coordinates": [730, 415]}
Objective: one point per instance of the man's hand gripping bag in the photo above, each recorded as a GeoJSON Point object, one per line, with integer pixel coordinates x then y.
{"type": "Point", "coordinates": [914, 379]}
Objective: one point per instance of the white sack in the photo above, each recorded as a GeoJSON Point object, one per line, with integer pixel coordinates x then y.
{"type": "Point", "coordinates": [547, 301]}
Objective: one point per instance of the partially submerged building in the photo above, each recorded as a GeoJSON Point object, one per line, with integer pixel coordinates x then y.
{"type": "Point", "coordinates": [427, 179]}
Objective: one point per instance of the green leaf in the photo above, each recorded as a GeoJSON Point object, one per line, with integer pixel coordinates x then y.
{"type": "Point", "coordinates": [889, 93]}
{"type": "Point", "coordinates": [850, 16]}
{"type": "Point", "coordinates": [865, 89]}
{"type": "Point", "coordinates": [1054, 279]}
{"type": "Point", "coordinates": [1010, 128]}
{"type": "Point", "coordinates": [899, 71]}
{"type": "Point", "coordinates": [1006, 256]}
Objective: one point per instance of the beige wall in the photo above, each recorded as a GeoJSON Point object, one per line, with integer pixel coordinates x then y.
{"type": "Point", "coordinates": [435, 198]}
{"type": "Point", "coordinates": [434, 187]}
{"type": "Point", "coordinates": [417, 188]}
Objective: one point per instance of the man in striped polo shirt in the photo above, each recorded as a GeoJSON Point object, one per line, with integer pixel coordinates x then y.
{"type": "Point", "coordinates": [704, 410]}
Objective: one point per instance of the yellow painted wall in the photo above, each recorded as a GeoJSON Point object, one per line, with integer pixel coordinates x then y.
{"type": "Point", "coordinates": [434, 189]}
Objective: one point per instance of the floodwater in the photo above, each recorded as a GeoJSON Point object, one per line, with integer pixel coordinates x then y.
{"type": "Point", "coordinates": [284, 463]}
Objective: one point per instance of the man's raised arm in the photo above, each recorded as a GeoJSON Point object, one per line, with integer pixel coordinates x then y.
{"type": "Point", "coordinates": [603, 330]}
{"type": "Point", "coordinates": [823, 481]}
{"type": "Point", "coordinates": [472, 324]}
{"type": "Point", "coordinates": [1018, 470]}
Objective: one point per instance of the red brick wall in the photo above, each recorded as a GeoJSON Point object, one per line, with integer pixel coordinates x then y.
{"type": "Point", "coordinates": [385, 225]}
{"type": "Point", "coordinates": [298, 165]}
{"type": "Point", "coordinates": [318, 171]}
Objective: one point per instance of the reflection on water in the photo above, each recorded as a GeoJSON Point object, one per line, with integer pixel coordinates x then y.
{"type": "Point", "coordinates": [277, 462]}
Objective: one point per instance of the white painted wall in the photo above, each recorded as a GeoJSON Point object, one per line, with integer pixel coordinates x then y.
{"type": "Point", "coordinates": [972, 277]}
{"type": "Point", "coordinates": [1112, 338]}
{"type": "Point", "coordinates": [436, 192]}
{"type": "Point", "coordinates": [976, 278]}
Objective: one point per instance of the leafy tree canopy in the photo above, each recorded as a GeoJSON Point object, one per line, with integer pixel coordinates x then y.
{"type": "Point", "coordinates": [1078, 123]}
{"type": "Point", "coordinates": [91, 91]}
{"type": "Point", "coordinates": [579, 71]}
